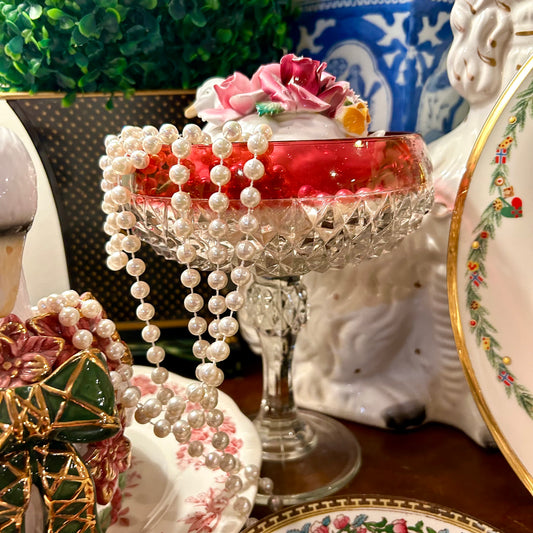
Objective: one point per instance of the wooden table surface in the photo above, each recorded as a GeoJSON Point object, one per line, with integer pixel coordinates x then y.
{"type": "Point", "coordinates": [435, 463]}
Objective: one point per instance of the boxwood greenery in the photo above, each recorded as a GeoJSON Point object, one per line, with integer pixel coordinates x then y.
{"type": "Point", "coordinates": [113, 46]}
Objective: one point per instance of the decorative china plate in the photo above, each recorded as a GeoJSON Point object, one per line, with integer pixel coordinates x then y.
{"type": "Point", "coordinates": [167, 490]}
{"type": "Point", "coordinates": [490, 259]}
{"type": "Point", "coordinates": [364, 514]}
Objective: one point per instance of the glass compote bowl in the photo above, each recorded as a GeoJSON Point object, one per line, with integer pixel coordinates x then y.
{"type": "Point", "coordinates": [325, 204]}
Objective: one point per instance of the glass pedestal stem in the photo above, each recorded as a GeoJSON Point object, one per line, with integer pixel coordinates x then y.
{"type": "Point", "coordinates": [308, 455]}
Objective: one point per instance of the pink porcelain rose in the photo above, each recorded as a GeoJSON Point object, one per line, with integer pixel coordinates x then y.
{"type": "Point", "coordinates": [304, 85]}
{"type": "Point", "coordinates": [295, 84]}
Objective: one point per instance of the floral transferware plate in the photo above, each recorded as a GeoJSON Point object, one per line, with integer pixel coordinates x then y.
{"type": "Point", "coordinates": [490, 286]}
{"type": "Point", "coordinates": [369, 514]}
{"type": "Point", "coordinates": [167, 490]}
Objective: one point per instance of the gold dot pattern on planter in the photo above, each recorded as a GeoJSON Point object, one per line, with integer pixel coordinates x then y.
{"type": "Point", "coordinates": [70, 141]}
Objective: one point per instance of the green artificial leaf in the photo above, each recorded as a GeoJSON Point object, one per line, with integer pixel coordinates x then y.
{"type": "Point", "coordinates": [128, 48]}
{"type": "Point", "coordinates": [34, 65]}
{"type": "Point", "coordinates": [177, 9]}
{"type": "Point", "coordinates": [77, 38]}
{"type": "Point", "coordinates": [88, 26]}
{"type": "Point", "coordinates": [148, 4]}
{"type": "Point", "coordinates": [35, 11]}
{"type": "Point", "coordinates": [197, 18]}
{"type": "Point", "coordinates": [212, 4]}
{"type": "Point", "coordinates": [68, 99]}
{"type": "Point", "coordinates": [14, 48]}
{"type": "Point", "coordinates": [12, 27]}
{"type": "Point", "coordinates": [224, 35]}
{"type": "Point", "coordinates": [26, 21]}
{"type": "Point", "coordinates": [55, 14]}
{"type": "Point", "coordinates": [65, 82]}
{"type": "Point", "coordinates": [88, 78]}
{"type": "Point", "coordinates": [115, 13]}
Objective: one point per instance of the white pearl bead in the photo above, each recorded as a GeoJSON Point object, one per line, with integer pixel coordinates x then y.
{"type": "Point", "coordinates": [182, 228]}
{"type": "Point", "coordinates": [192, 133]}
{"type": "Point", "coordinates": [116, 261]}
{"type": "Point", "coordinates": [141, 417]}
{"type": "Point", "coordinates": [250, 197]}
{"type": "Point", "coordinates": [168, 133]}
{"type": "Point", "coordinates": [115, 351]}
{"type": "Point", "coordinates": [210, 399]}
{"type": "Point", "coordinates": [193, 302]}
{"type": "Point", "coordinates": [162, 428]}
{"type": "Point", "coordinates": [152, 144]}
{"type": "Point", "coordinates": [150, 333]}
{"type": "Point", "coordinates": [186, 253]}
{"type": "Point", "coordinates": [181, 148]}
{"type": "Point", "coordinates": [218, 202]}
{"type": "Point", "coordinates": [218, 351]}
{"type": "Point", "coordinates": [68, 316]}
{"type": "Point", "coordinates": [217, 254]}
{"type": "Point", "coordinates": [150, 130]}
{"type": "Point", "coordinates": [104, 162]}
{"type": "Point", "coordinates": [217, 228]}
{"type": "Point", "coordinates": [257, 144]}
{"type": "Point", "coordinates": [110, 175]}
{"type": "Point", "coordinates": [110, 229]}
{"type": "Point", "coordinates": [196, 418]}
{"type": "Point", "coordinates": [105, 328]}
{"type": "Point", "coordinates": [131, 131]}
{"type": "Point", "coordinates": [181, 201]}
{"type": "Point", "coordinates": [106, 186]}
{"type": "Point", "coordinates": [213, 329]}
{"type": "Point", "coordinates": [228, 326]}
{"type": "Point", "coordinates": [132, 144]}
{"type": "Point", "coordinates": [126, 220]}
{"type": "Point", "coordinates": [212, 460]}
{"type": "Point", "coordinates": [131, 244]}
{"type": "Point", "coordinates": [248, 223]}
{"type": "Point", "coordinates": [90, 308]}
{"type": "Point", "coordinates": [196, 448]}
{"type": "Point", "coordinates": [234, 484]}
{"type": "Point", "coordinates": [217, 279]}
{"type": "Point", "coordinates": [176, 406]}
{"type": "Point", "coordinates": [179, 174]}
{"type": "Point", "coordinates": [121, 195]}
{"type": "Point", "coordinates": [190, 278]}
{"type": "Point", "coordinates": [251, 472]}
{"type": "Point", "coordinates": [232, 131]}
{"type": "Point", "coordinates": [145, 311]}
{"type": "Point", "coordinates": [116, 240]}
{"type": "Point", "coordinates": [206, 138]}
{"type": "Point", "coordinates": [215, 418]}
{"type": "Point", "coordinates": [242, 505]}
{"type": "Point", "coordinates": [220, 440]}
{"type": "Point", "coordinates": [195, 392]}
{"type": "Point", "coordinates": [199, 348]}
{"type": "Point", "coordinates": [115, 149]}
{"type": "Point", "coordinates": [217, 304]}
{"type": "Point", "coordinates": [140, 289]}
{"type": "Point", "coordinates": [253, 169]}
{"type": "Point", "coordinates": [135, 267]}
{"type": "Point", "coordinates": [211, 374]}
{"type": "Point", "coordinates": [139, 159]}
{"type": "Point", "coordinates": [220, 175]}
{"type": "Point", "coordinates": [245, 250]}
{"type": "Point", "coordinates": [108, 208]}
{"type": "Point", "coordinates": [241, 275]}
{"type": "Point", "coordinates": [221, 147]}
{"type": "Point", "coordinates": [164, 394]}
{"type": "Point", "coordinates": [227, 462]}
{"type": "Point", "coordinates": [266, 485]}
{"type": "Point", "coordinates": [182, 431]}
{"type": "Point", "coordinates": [82, 339]}
{"type": "Point", "coordinates": [131, 396]}
{"type": "Point", "coordinates": [197, 325]}
{"type": "Point", "coordinates": [159, 375]}
{"type": "Point", "coordinates": [71, 297]}
{"type": "Point", "coordinates": [155, 354]}
{"type": "Point", "coordinates": [152, 407]}
{"type": "Point", "coordinates": [234, 300]}
{"type": "Point", "coordinates": [110, 249]}
{"type": "Point", "coordinates": [264, 129]}
{"type": "Point", "coordinates": [55, 303]}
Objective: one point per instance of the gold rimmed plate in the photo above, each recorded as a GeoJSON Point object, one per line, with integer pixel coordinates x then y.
{"type": "Point", "coordinates": [358, 514]}
{"type": "Point", "coordinates": [490, 264]}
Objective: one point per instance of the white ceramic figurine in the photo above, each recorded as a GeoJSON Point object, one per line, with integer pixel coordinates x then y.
{"type": "Point", "coordinates": [379, 347]}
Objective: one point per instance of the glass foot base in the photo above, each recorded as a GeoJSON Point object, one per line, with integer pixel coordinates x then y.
{"type": "Point", "coordinates": [331, 463]}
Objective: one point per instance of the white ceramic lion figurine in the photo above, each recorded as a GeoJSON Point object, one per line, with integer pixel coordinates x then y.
{"type": "Point", "coordinates": [379, 347]}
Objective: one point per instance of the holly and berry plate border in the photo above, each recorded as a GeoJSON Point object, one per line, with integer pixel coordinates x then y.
{"type": "Point", "coordinates": [470, 243]}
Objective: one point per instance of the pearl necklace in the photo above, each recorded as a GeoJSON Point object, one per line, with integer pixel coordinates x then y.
{"type": "Point", "coordinates": [169, 413]}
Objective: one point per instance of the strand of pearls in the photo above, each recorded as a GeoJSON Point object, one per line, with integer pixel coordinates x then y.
{"type": "Point", "coordinates": [167, 412]}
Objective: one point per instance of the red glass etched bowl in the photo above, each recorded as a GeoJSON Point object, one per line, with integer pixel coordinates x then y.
{"type": "Point", "coordinates": [324, 203]}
